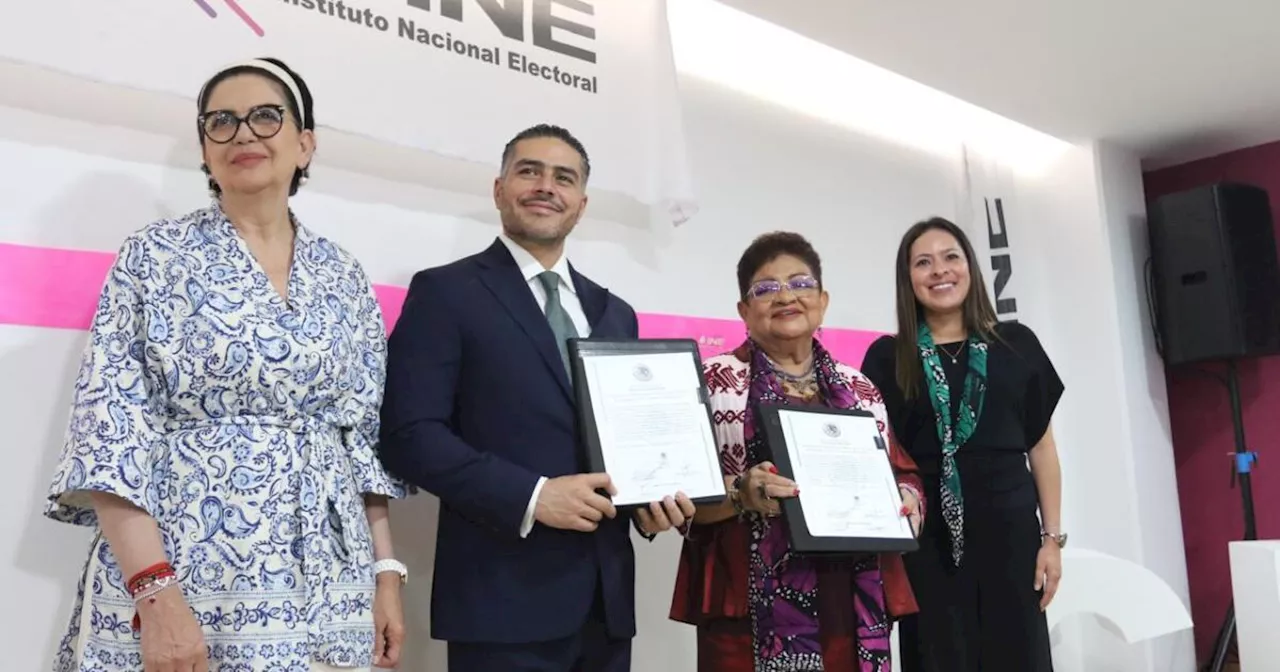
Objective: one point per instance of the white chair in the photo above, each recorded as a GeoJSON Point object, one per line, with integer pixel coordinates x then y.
{"type": "Point", "coordinates": [1139, 604]}
{"type": "Point", "coordinates": [1255, 587]}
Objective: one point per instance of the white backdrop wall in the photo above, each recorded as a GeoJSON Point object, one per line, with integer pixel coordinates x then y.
{"type": "Point", "coordinates": [1157, 541]}
{"type": "Point", "coordinates": [81, 165]}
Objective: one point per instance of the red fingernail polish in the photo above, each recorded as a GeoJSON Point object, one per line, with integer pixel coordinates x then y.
{"type": "Point", "coordinates": [905, 510]}
{"type": "Point", "coordinates": [773, 469]}
{"type": "Point", "coordinates": [797, 492]}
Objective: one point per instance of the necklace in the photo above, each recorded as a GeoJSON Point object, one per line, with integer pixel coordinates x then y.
{"type": "Point", "coordinates": [778, 370]}
{"type": "Point", "coordinates": [803, 385]}
{"type": "Point", "coordinates": [954, 358]}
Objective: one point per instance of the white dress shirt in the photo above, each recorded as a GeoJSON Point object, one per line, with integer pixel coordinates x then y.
{"type": "Point", "coordinates": [531, 268]}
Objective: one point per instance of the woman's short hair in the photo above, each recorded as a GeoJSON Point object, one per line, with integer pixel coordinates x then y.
{"type": "Point", "coordinates": [770, 246]}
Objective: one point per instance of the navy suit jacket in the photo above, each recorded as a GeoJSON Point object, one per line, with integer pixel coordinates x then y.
{"type": "Point", "coordinates": [477, 406]}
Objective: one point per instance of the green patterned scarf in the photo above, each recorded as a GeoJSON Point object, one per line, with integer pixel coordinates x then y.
{"type": "Point", "coordinates": [954, 432]}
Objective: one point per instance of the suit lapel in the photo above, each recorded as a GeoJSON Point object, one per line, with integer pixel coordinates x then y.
{"type": "Point", "coordinates": [592, 297]}
{"type": "Point", "coordinates": [501, 275]}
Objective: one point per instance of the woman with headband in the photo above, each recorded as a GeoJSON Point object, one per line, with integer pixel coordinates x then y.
{"type": "Point", "coordinates": [221, 438]}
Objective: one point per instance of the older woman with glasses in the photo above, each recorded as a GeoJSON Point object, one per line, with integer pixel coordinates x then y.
{"type": "Point", "coordinates": [755, 603]}
{"type": "Point", "coordinates": [221, 435]}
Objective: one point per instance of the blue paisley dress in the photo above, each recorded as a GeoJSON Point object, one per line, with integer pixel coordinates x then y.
{"type": "Point", "coordinates": [245, 425]}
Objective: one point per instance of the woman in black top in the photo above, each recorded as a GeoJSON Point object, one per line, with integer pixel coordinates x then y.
{"type": "Point", "coordinates": [971, 400]}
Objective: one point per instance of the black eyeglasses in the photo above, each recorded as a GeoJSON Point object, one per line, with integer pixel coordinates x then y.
{"type": "Point", "coordinates": [221, 126]}
{"type": "Point", "coordinates": [800, 286]}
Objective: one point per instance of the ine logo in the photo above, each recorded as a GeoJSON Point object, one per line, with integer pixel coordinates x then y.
{"type": "Point", "coordinates": [235, 9]}
{"type": "Point", "coordinates": [642, 373]}
{"type": "Point", "coordinates": [508, 16]}
{"type": "Point", "coordinates": [832, 430]}
{"type": "Point", "coordinates": [1001, 259]}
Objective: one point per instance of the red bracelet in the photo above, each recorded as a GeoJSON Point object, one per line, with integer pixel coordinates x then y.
{"type": "Point", "coordinates": [139, 583]}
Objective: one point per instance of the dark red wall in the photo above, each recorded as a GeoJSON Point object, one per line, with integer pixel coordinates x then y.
{"type": "Point", "coordinates": [1201, 421]}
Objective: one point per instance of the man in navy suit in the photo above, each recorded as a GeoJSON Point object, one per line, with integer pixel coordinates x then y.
{"type": "Point", "coordinates": [534, 568]}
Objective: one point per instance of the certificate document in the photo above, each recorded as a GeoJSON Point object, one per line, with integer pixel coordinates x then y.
{"type": "Point", "coordinates": [647, 420]}
{"type": "Point", "coordinates": [849, 498]}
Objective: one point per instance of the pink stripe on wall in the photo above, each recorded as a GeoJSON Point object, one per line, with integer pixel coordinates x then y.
{"type": "Point", "coordinates": [50, 287]}
{"type": "Point", "coordinates": [58, 288]}
{"type": "Point", "coordinates": [848, 345]}
{"type": "Point", "coordinates": [391, 299]}
{"type": "Point", "coordinates": [715, 336]}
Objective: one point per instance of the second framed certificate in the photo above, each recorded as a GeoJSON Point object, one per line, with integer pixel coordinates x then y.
{"type": "Point", "coordinates": [849, 500]}
{"type": "Point", "coordinates": [645, 418]}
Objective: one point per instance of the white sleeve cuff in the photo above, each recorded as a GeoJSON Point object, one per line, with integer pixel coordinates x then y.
{"type": "Point", "coordinates": [527, 525]}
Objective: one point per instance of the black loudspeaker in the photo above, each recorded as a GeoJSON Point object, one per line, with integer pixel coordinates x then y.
{"type": "Point", "coordinates": [1214, 274]}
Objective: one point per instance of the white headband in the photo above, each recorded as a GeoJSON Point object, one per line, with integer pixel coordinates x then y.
{"type": "Point", "coordinates": [289, 82]}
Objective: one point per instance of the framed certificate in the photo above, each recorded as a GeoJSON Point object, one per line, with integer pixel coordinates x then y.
{"type": "Point", "coordinates": [849, 500]}
{"type": "Point", "coordinates": [645, 417]}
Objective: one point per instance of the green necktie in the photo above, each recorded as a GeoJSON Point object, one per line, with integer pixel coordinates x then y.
{"type": "Point", "coordinates": [561, 325]}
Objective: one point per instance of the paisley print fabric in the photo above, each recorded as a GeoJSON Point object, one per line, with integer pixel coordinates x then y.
{"type": "Point", "coordinates": [244, 423]}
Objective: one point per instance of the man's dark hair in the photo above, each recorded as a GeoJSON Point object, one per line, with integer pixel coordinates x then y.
{"type": "Point", "coordinates": [549, 131]}
{"type": "Point", "coordinates": [770, 246]}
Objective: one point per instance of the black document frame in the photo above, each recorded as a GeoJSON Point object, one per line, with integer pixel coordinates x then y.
{"type": "Point", "coordinates": [580, 348]}
{"type": "Point", "coordinates": [799, 536]}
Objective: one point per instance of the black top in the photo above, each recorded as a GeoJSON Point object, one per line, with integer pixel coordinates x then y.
{"type": "Point", "coordinates": [1023, 389]}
